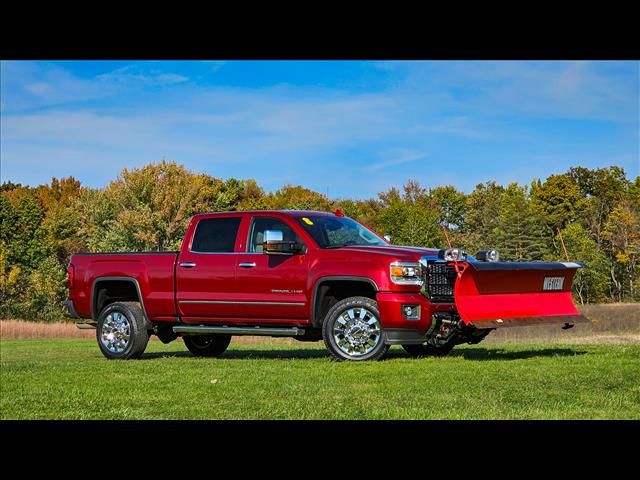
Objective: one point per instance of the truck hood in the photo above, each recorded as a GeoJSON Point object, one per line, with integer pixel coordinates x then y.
{"type": "Point", "coordinates": [400, 252]}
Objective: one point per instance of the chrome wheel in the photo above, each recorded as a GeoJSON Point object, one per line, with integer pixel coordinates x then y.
{"type": "Point", "coordinates": [116, 331]}
{"type": "Point", "coordinates": [357, 331]}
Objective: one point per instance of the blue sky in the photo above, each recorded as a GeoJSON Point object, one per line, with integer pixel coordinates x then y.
{"type": "Point", "coordinates": [356, 128]}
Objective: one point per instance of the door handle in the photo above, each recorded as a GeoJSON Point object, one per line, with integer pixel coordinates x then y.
{"type": "Point", "coordinates": [188, 265]}
{"type": "Point", "coordinates": [247, 265]}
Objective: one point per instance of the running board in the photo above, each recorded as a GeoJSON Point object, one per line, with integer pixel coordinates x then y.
{"type": "Point", "coordinates": [268, 331]}
{"type": "Point", "coordinates": [86, 326]}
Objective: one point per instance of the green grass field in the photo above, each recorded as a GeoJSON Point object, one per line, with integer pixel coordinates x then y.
{"type": "Point", "coordinates": [69, 379]}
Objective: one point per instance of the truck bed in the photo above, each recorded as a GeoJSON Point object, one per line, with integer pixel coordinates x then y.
{"type": "Point", "coordinates": [153, 272]}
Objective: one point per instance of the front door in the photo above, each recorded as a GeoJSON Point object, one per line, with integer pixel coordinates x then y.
{"type": "Point", "coordinates": [272, 288]}
{"type": "Point", "coordinates": [206, 271]}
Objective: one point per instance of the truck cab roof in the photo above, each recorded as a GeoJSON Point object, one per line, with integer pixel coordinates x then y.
{"type": "Point", "coordinates": [293, 213]}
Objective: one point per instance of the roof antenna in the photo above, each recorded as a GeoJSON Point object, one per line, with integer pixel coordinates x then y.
{"type": "Point", "coordinates": [562, 242]}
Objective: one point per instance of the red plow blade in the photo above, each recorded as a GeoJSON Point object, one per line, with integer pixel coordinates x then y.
{"type": "Point", "coordinates": [500, 294]}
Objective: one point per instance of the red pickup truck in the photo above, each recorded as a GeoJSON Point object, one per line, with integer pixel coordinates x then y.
{"type": "Point", "coordinates": [311, 276]}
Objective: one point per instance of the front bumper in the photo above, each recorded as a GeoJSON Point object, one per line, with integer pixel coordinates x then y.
{"type": "Point", "coordinates": [390, 307]}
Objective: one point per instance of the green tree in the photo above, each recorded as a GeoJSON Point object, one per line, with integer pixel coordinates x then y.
{"type": "Point", "coordinates": [46, 291]}
{"type": "Point", "coordinates": [410, 218]}
{"type": "Point", "coordinates": [61, 221]}
{"type": "Point", "coordinates": [13, 285]}
{"type": "Point", "coordinates": [557, 200]}
{"type": "Point", "coordinates": [22, 216]}
{"type": "Point", "coordinates": [452, 206]}
{"type": "Point", "coordinates": [590, 284]}
{"type": "Point", "coordinates": [521, 233]}
{"type": "Point", "coordinates": [602, 188]}
{"type": "Point", "coordinates": [297, 198]}
{"type": "Point", "coordinates": [483, 207]}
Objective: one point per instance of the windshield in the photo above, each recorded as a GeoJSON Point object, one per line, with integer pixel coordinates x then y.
{"type": "Point", "coordinates": [331, 232]}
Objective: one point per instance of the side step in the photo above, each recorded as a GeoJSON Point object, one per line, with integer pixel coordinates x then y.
{"type": "Point", "coordinates": [268, 331]}
{"type": "Point", "coordinates": [86, 326]}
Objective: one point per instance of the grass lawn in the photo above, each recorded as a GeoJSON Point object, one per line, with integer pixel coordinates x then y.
{"type": "Point", "coordinates": [70, 379]}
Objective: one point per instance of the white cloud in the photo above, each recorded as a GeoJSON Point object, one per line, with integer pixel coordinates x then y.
{"type": "Point", "coordinates": [400, 156]}
{"type": "Point", "coordinates": [142, 74]}
{"type": "Point", "coordinates": [214, 65]}
{"type": "Point", "coordinates": [554, 89]}
{"type": "Point", "coordinates": [39, 88]}
{"type": "Point", "coordinates": [459, 126]}
{"type": "Point", "coordinates": [28, 85]}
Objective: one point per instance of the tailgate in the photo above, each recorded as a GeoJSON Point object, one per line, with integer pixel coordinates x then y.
{"type": "Point", "coordinates": [498, 294]}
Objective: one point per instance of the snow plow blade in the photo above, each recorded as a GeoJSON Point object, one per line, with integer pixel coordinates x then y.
{"type": "Point", "coordinates": [502, 294]}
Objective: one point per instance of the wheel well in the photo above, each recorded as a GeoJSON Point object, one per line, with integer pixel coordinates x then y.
{"type": "Point", "coordinates": [106, 292]}
{"type": "Point", "coordinates": [330, 292]}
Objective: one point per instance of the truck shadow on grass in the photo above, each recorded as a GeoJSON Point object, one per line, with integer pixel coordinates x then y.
{"type": "Point", "coordinates": [247, 354]}
{"type": "Point", "coordinates": [498, 354]}
{"type": "Point", "coordinates": [480, 354]}
{"type": "Point", "coordinates": [502, 354]}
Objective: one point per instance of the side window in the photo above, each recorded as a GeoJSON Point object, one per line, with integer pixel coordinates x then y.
{"type": "Point", "coordinates": [216, 235]}
{"type": "Point", "coordinates": [260, 224]}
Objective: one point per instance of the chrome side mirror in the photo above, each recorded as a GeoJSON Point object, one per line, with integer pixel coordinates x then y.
{"type": "Point", "coordinates": [387, 237]}
{"type": "Point", "coordinates": [274, 244]}
{"type": "Point", "coordinates": [273, 236]}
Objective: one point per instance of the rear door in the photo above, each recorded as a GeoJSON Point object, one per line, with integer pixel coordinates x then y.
{"type": "Point", "coordinates": [272, 288]}
{"type": "Point", "coordinates": [206, 271]}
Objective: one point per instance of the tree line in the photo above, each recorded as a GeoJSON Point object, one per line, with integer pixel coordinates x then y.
{"type": "Point", "coordinates": [597, 212]}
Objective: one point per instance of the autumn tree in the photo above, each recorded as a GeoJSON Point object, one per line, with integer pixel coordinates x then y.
{"type": "Point", "coordinates": [152, 205]}
{"type": "Point", "coordinates": [622, 236]}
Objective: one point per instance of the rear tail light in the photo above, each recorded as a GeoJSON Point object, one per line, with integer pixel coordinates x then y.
{"type": "Point", "coordinates": [70, 273]}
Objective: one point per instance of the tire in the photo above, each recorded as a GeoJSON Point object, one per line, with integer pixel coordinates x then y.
{"type": "Point", "coordinates": [207, 345]}
{"type": "Point", "coordinates": [121, 331]}
{"type": "Point", "coordinates": [346, 339]}
{"type": "Point", "coordinates": [419, 351]}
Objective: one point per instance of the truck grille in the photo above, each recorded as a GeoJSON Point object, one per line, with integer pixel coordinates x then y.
{"type": "Point", "coordinates": [440, 280]}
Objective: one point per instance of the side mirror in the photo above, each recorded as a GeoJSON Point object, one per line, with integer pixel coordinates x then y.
{"type": "Point", "coordinates": [274, 244]}
{"type": "Point", "coordinates": [387, 237]}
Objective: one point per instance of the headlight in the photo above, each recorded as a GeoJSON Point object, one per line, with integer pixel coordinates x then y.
{"type": "Point", "coordinates": [488, 256]}
{"type": "Point", "coordinates": [453, 254]}
{"type": "Point", "coordinates": [405, 273]}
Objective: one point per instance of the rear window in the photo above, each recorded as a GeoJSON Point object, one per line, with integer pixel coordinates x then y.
{"type": "Point", "coordinates": [216, 235]}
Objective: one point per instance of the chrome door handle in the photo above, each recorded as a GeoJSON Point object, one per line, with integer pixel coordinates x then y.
{"type": "Point", "coordinates": [188, 265]}
{"type": "Point", "coordinates": [247, 265]}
